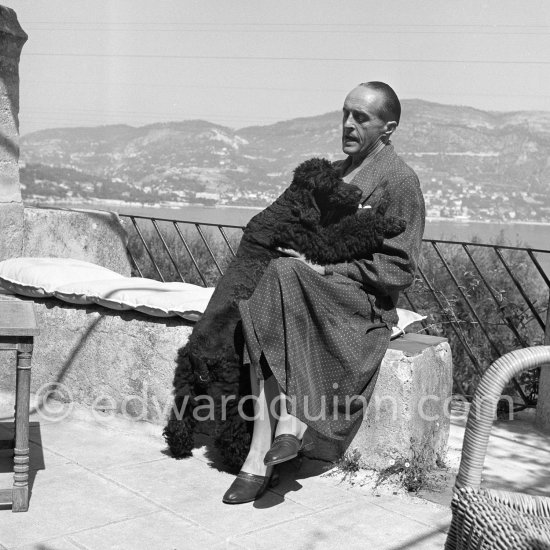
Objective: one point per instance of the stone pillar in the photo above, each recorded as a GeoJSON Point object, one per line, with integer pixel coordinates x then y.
{"type": "Point", "coordinates": [12, 38]}
{"type": "Point", "coordinates": [408, 416]}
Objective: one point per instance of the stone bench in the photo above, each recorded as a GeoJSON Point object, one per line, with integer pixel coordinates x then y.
{"type": "Point", "coordinates": [124, 362]}
{"type": "Point", "coordinates": [408, 411]}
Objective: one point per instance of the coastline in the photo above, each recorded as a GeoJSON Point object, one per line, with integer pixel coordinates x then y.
{"type": "Point", "coordinates": [174, 206]}
{"type": "Point", "coordinates": [127, 204]}
{"type": "Point", "coordinates": [492, 222]}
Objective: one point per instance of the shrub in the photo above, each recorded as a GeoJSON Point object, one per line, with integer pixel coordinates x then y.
{"type": "Point", "coordinates": [181, 256]}
{"type": "Point", "coordinates": [504, 321]}
{"type": "Point", "coordinates": [349, 463]}
{"type": "Point", "coordinates": [413, 472]}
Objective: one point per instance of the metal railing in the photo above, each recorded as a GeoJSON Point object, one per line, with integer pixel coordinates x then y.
{"type": "Point", "coordinates": [503, 308]}
{"type": "Point", "coordinates": [487, 299]}
{"type": "Point", "coordinates": [177, 232]}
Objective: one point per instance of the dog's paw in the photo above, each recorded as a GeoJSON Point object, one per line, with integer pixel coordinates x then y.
{"type": "Point", "coordinates": [179, 438]}
{"type": "Point", "coordinates": [393, 226]}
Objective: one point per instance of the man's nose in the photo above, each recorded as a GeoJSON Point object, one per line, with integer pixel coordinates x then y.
{"type": "Point", "coordinates": [348, 121]}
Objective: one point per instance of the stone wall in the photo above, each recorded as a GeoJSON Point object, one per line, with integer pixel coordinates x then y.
{"type": "Point", "coordinates": [12, 38]}
{"type": "Point", "coordinates": [88, 235]}
{"type": "Point", "coordinates": [122, 361]}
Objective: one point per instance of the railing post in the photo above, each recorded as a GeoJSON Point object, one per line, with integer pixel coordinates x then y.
{"type": "Point", "coordinates": [542, 418]}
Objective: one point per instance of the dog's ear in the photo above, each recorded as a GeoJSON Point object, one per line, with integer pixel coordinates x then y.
{"type": "Point", "coordinates": [330, 191]}
{"type": "Point", "coordinates": [393, 227]}
{"type": "Point", "coordinates": [310, 218]}
{"type": "Point", "coordinates": [327, 178]}
{"type": "Point", "coordinates": [345, 197]}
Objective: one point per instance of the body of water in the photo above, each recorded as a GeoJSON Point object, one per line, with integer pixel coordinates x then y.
{"type": "Point", "coordinates": [521, 234]}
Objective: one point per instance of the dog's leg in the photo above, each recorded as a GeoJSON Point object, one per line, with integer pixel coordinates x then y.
{"type": "Point", "coordinates": [233, 435]}
{"type": "Point", "coordinates": [179, 431]}
{"type": "Point", "coordinates": [233, 431]}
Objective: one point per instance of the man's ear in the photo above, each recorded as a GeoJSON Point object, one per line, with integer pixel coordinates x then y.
{"type": "Point", "coordinates": [389, 129]}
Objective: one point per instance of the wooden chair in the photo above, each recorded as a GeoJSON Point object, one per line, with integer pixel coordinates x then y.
{"type": "Point", "coordinates": [17, 331]}
{"type": "Point", "coordinates": [486, 519]}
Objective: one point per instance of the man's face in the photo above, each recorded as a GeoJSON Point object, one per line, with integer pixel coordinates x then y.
{"type": "Point", "coordinates": [361, 125]}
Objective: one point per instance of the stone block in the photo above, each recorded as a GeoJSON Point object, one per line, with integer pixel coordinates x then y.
{"type": "Point", "coordinates": [89, 235]}
{"type": "Point", "coordinates": [11, 230]}
{"type": "Point", "coordinates": [121, 361]}
{"type": "Point", "coordinates": [9, 132]}
{"type": "Point", "coordinates": [12, 38]}
{"type": "Point", "coordinates": [408, 411]}
{"type": "Point", "coordinates": [10, 190]}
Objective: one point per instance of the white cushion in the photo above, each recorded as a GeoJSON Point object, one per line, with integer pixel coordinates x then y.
{"type": "Point", "coordinates": [145, 295]}
{"type": "Point", "coordinates": [39, 277]}
{"type": "Point", "coordinates": [79, 282]}
{"type": "Point", "coordinates": [406, 318]}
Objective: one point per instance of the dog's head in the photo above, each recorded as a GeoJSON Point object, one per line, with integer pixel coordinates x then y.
{"type": "Point", "coordinates": [331, 194]}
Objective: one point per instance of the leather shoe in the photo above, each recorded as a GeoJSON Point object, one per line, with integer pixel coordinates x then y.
{"type": "Point", "coordinates": [248, 487]}
{"type": "Point", "coordinates": [286, 447]}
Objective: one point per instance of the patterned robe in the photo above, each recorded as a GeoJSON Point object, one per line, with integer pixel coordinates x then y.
{"type": "Point", "coordinates": [324, 336]}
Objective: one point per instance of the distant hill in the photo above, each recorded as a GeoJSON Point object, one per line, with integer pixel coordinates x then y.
{"type": "Point", "coordinates": [471, 163]}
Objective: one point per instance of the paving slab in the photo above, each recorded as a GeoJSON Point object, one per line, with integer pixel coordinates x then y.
{"type": "Point", "coordinates": [76, 437]}
{"type": "Point", "coordinates": [300, 481]}
{"type": "Point", "coordinates": [417, 509]}
{"type": "Point", "coordinates": [52, 412]}
{"type": "Point", "coordinates": [348, 526]}
{"type": "Point", "coordinates": [312, 491]}
{"type": "Point", "coordinates": [99, 485]}
{"type": "Point", "coordinates": [67, 498]}
{"type": "Point", "coordinates": [161, 530]}
{"type": "Point", "coordinates": [192, 490]}
{"type": "Point", "coordinates": [78, 442]}
{"type": "Point", "coordinates": [518, 458]}
{"type": "Point", "coordinates": [40, 457]}
{"type": "Point", "coordinates": [63, 543]}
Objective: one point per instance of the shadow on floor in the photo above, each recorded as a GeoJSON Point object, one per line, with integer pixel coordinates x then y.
{"type": "Point", "coordinates": [418, 542]}
{"type": "Point", "coordinates": [518, 455]}
{"type": "Point", "coordinates": [289, 473]}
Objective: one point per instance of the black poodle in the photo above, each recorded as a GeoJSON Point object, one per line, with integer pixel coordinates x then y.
{"type": "Point", "coordinates": [317, 215]}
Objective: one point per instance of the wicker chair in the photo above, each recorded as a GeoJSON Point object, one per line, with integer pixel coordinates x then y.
{"type": "Point", "coordinates": [485, 519]}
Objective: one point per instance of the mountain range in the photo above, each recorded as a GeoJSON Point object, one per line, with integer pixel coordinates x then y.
{"type": "Point", "coordinates": [471, 163]}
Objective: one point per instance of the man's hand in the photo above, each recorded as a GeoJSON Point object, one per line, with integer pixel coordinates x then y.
{"type": "Point", "coordinates": [293, 254]}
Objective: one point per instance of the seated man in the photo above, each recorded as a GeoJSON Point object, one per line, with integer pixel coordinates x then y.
{"type": "Point", "coordinates": [316, 335]}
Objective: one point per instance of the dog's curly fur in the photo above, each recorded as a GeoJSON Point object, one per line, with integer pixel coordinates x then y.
{"type": "Point", "coordinates": [317, 211]}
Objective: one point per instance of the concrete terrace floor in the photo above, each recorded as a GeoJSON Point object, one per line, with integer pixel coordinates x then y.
{"type": "Point", "coordinates": [108, 483]}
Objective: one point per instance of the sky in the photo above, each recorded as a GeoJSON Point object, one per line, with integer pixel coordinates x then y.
{"type": "Point", "coordinates": [250, 62]}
